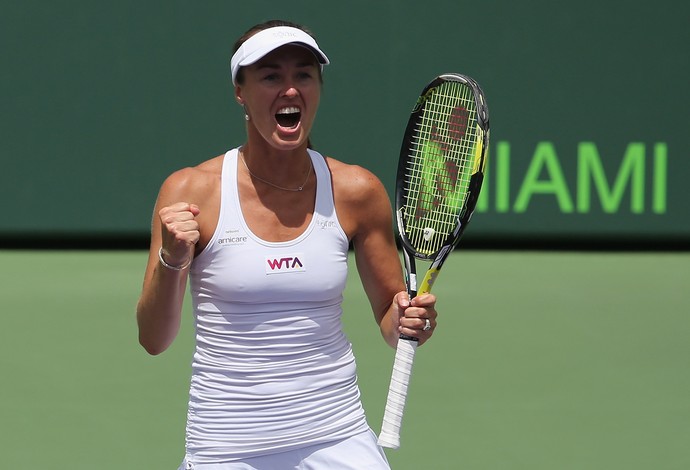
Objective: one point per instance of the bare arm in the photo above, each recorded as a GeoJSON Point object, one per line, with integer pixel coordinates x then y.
{"type": "Point", "coordinates": [368, 221]}
{"type": "Point", "coordinates": [176, 230]}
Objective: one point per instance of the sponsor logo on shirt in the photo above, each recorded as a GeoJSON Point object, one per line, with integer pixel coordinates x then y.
{"type": "Point", "coordinates": [325, 223]}
{"type": "Point", "coordinates": [232, 237]}
{"type": "Point", "coordinates": [285, 264]}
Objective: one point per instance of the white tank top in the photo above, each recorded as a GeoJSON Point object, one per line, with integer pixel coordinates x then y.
{"type": "Point", "coordinates": [272, 370]}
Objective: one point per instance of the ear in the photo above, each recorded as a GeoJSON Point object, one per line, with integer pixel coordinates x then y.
{"type": "Point", "coordinates": [238, 95]}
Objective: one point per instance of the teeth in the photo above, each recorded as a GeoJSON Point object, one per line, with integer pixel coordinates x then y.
{"type": "Point", "coordinates": [288, 110]}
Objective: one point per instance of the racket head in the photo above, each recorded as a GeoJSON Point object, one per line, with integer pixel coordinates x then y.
{"type": "Point", "coordinates": [441, 165]}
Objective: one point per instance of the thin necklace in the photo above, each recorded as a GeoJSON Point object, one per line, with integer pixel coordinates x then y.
{"type": "Point", "coordinates": [299, 188]}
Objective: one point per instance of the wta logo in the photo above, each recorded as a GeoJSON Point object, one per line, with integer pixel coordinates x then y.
{"type": "Point", "coordinates": [285, 264]}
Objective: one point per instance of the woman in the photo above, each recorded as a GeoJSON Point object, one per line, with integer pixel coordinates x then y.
{"type": "Point", "coordinates": [263, 233]}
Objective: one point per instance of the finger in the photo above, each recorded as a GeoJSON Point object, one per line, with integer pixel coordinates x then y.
{"type": "Point", "coordinates": [183, 207]}
{"type": "Point", "coordinates": [184, 231]}
{"type": "Point", "coordinates": [175, 224]}
{"type": "Point", "coordinates": [424, 300]}
{"type": "Point", "coordinates": [168, 215]}
{"type": "Point", "coordinates": [180, 207]}
{"type": "Point", "coordinates": [420, 312]}
{"type": "Point", "coordinates": [417, 331]}
{"type": "Point", "coordinates": [402, 298]}
{"type": "Point", "coordinates": [417, 323]}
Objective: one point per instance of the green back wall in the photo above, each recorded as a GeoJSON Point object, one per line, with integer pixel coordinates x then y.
{"type": "Point", "coordinates": [588, 101]}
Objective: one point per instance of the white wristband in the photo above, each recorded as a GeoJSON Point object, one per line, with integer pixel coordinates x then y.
{"type": "Point", "coordinates": [170, 266]}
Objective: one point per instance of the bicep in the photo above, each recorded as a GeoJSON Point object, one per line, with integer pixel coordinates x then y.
{"type": "Point", "coordinates": [376, 254]}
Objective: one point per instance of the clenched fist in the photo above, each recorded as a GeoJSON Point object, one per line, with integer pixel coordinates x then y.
{"type": "Point", "coordinates": [180, 232]}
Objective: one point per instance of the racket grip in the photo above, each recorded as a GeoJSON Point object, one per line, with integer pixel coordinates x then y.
{"type": "Point", "coordinates": [397, 393]}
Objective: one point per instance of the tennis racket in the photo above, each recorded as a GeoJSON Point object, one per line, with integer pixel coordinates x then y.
{"type": "Point", "coordinates": [440, 173]}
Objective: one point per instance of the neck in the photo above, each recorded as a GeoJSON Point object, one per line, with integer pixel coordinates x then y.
{"type": "Point", "coordinates": [284, 170]}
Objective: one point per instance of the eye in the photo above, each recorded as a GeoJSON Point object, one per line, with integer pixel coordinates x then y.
{"type": "Point", "coordinates": [305, 75]}
{"type": "Point", "coordinates": [271, 77]}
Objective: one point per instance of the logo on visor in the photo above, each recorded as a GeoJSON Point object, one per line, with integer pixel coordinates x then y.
{"type": "Point", "coordinates": [283, 34]}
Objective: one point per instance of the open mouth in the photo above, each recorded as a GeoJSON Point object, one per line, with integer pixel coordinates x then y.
{"type": "Point", "coordinates": [288, 117]}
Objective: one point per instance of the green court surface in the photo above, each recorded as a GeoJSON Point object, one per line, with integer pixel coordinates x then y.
{"type": "Point", "coordinates": [542, 360]}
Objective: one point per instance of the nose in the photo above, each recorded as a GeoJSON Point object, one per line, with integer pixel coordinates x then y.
{"type": "Point", "coordinates": [290, 92]}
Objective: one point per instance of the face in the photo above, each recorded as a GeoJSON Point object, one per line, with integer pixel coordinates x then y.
{"type": "Point", "coordinates": [281, 94]}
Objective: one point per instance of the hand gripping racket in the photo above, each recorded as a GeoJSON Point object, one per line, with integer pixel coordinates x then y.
{"type": "Point", "coordinates": [440, 173]}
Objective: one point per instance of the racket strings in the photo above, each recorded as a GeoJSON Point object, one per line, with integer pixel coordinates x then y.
{"type": "Point", "coordinates": [440, 165]}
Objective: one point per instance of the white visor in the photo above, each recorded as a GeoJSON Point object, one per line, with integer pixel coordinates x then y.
{"type": "Point", "coordinates": [263, 42]}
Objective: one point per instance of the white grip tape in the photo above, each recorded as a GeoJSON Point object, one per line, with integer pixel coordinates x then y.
{"type": "Point", "coordinates": [397, 394]}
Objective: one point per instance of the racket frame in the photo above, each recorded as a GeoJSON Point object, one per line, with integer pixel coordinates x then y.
{"type": "Point", "coordinates": [405, 351]}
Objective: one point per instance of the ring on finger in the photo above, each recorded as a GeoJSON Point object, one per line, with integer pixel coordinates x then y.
{"type": "Point", "coordinates": [427, 325]}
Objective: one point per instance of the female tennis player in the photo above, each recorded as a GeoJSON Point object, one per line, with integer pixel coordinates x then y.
{"type": "Point", "coordinates": [263, 233]}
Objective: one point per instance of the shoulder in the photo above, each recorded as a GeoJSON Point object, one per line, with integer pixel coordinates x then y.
{"type": "Point", "coordinates": [354, 183]}
{"type": "Point", "coordinates": [360, 197]}
{"type": "Point", "coordinates": [193, 184]}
